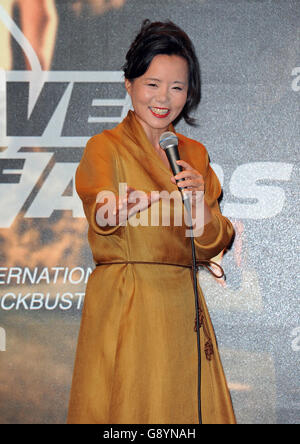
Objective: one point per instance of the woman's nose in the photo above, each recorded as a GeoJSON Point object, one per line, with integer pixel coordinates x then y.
{"type": "Point", "coordinates": [162, 95]}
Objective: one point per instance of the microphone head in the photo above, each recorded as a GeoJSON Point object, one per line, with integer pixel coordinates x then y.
{"type": "Point", "coordinates": [167, 140]}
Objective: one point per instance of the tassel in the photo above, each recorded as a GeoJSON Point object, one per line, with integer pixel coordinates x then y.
{"type": "Point", "coordinates": [201, 319]}
{"type": "Point", "coordinates": [209, 350]}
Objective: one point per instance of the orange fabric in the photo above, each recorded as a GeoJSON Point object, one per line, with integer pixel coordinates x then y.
{"type": "Point", "coordinates": [136, 360]}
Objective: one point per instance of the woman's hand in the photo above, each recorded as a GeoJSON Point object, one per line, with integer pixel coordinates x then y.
{"type": "Point", "coordinates": [133, 202]}
{"type": "Point", "coordinates": [112, 210]}
{"type": "Point", "coordinates": [190, 180]}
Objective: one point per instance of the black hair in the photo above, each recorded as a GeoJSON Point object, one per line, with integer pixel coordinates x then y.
{"type": "Point", "coordinates": [156, 38]}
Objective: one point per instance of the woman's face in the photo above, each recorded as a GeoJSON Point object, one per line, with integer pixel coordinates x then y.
{"type": "Point", "coordinates": [159, 95]}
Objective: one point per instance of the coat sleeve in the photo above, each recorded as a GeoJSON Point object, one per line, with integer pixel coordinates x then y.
{"type": "Point", "coordinates": [97, 172]}
{"type": "Point", "coordinates": [219, 231]}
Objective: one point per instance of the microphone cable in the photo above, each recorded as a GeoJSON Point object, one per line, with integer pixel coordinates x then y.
{"type": "Point", "coordinates": [194, 270]}
{"type": "Point", "coordinates": [169, 143]}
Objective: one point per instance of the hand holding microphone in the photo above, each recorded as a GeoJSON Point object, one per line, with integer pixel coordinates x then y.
{"type": "Point", "coordinates": [185, 176]}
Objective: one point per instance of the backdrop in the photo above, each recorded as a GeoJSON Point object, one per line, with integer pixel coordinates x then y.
{"type": "Point", "coordinates": [60, 83]}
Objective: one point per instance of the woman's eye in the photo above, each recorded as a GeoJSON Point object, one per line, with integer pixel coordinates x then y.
{"type": "Point", "coordinates": [152, 84]}
{"type": "Point", "coordinates": [177, 88]}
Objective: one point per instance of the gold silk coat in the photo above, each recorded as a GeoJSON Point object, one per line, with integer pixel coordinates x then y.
{"type": "Point", "coordinates": [136, 359]}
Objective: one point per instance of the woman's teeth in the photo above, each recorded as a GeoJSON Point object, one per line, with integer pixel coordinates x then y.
{"type": "Point", "coordinates": [159, 111]}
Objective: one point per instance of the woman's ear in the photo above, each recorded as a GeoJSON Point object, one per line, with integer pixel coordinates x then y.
{"type": "Point", "coordinates": [128, 86]}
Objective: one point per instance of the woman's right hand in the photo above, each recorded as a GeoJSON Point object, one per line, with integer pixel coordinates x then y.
{"type": "Point", "coordinates": [114, 210]}
{"type": "Point", "coordinates": [133, 202]}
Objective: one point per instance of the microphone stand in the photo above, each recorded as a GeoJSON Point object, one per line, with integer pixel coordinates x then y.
{"type": "Point", "coordinates": [187, 205]}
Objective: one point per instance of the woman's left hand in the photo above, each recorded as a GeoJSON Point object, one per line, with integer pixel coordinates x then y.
{"type": "Point", "coordinates": [190, 180]}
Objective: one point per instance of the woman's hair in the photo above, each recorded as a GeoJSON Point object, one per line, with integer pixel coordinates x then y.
{"type": "Point", "coordinates": [165, 38]}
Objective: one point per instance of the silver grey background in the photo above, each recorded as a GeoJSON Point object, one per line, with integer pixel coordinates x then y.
{"type": "Point", "coordinates": [249, 113]}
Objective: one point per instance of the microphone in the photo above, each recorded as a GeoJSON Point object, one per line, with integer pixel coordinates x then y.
{"type": "Point", "coordinates": [168, 141]}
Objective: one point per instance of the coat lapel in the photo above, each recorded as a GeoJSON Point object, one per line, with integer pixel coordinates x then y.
{"type": "Point", "coordinates": [145, 154]}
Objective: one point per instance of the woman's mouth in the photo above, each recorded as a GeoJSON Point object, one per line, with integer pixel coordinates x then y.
{"type": "Point", "coordinates": [160, 112]}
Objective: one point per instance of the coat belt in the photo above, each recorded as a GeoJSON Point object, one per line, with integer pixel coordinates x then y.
{"type": "Point", "coordinates": [206, 264]}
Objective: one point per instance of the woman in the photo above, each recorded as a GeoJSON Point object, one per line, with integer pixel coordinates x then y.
{"type": "Point", "coordinates": [136, 359]}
